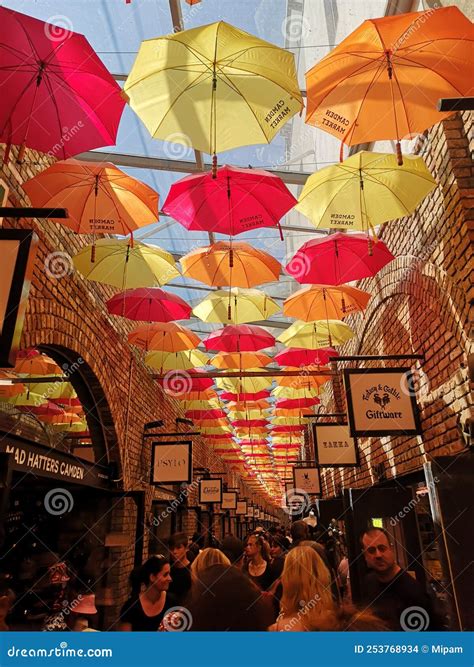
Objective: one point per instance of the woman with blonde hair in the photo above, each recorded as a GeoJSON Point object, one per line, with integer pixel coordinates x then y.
{"type": "Point", "coordinates": [205, 559]}
{"type": "Point", "coordinates": [306, 592]}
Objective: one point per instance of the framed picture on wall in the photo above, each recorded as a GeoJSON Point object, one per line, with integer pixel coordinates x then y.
{"type": "Point", "coordinates": [307, 479]}
{"type": "Point", "coordinates": [210, 490]}
{"type": "Point", "coordinates": [334, 446]}
{"type": "Point", "coordinates": [229, 500]}
{"type": "Point", "coordinates": [171, 462]}
{"type": "Point", "coordinates": [241, 508]}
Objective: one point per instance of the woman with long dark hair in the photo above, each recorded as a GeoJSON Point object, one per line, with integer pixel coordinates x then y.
{"type": "Point", "coordinates": [257, 561]}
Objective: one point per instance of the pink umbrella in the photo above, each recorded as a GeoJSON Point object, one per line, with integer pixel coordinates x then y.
{"type": "Point", "coordinates": [299, 357]}
{"type": "Point", "coordinates": [149, 304]}
{"type": "Point", "coordinates": [236, 201]}
{"type": "Point", "coordinates": [337, 259]}
{"type": "Point", "coordinates": [57, 96]}
{"type": "Point", "coordinates": [239, 338]}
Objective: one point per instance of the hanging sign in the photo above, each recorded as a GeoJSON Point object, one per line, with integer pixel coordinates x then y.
{"type": "Point", "coordinates": [250, 511]}
{"type": "Point", "coordinates": [210, 491]}
{"type": "Point", "coordinates": [229, 500]}
{"type": "Point", "coordinates": [256, 513]}
{"type": "Point", "coordinates": [381, 402]}
{"type": "Point", "coordinates": [241, 508]}
{"type": "Point", "coordinates": [171, 462]}
{"type": "Point", "coordinates": [334, 446]}
{"type": "Point", "coordinates": [307, 479]}
{"type": "Point", "coordinates": [17, 252]}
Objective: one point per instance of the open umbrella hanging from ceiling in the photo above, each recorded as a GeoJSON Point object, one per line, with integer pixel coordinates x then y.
{"type": "Point", "coordinates": [236, 306]}
{"type": "Point", "coordinates": [149, 304]}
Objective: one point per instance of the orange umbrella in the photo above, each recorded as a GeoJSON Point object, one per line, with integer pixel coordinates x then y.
{"type": "Point", "coordinates": [325, 302]}
{"type": "Point", "coordinates": [31, 362]}
{"type": "Point", "coordinates": [99, 197]}
{"type": "Point", "coordinates": [261, 404]}
{"type": "Point", "coordinates": [302, 381]}
{"type": "Point", "coordinates": [165, 336]}
{"type": "Point", "coordinates": [240, 360]}
{"type": "Point", "coordinates": [231, 263]}
{"type": "Point", "coordinates": [64, 418]}
{"type": "Point", "coordinates": [384, 80]}
{"type": "Point", "coordinates": [10, 390]}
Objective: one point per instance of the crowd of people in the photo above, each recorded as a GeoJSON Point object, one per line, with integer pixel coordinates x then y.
{"type": "Point", "coordinates": [274, 581]}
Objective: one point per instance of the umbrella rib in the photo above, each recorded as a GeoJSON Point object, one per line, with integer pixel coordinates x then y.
{"type": "Point", "coordinates": [460, 92]}
{"type": "Point", "coordinates": [233, 86]}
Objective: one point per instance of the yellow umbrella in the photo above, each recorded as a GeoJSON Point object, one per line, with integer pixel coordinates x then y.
{"type": "Point", "coordinates": [202, 405]}
{"type": "Point", "coordinates": [236, 306]}
{"type": "Point", "coordinates": [240, 361]}
{"type": "Point", "coordinates": [295, 392]}
{"type": "Point", "coordinates": [280, 421]}
{"type": "Point", "coordinates": [365, 190]}
{"type": "Point", "coordinates": [209, 430]}
{"type": "Point", "coordinates": [50, 390]}
{"type": "Point", "coordinates": [170, 361]}
{"type": "Point", "coordinates": [26, 398]}
{"type": "Point", "coordinates": [325, 302]}
{"type": "Point", "coordinates": [214, 88]}
{"type": "Point", "coordinates": [247, 385]}
{"type": "Point", "coordinates": [261, 404]}
{"type": "Point", "coordinates": [119, 263]}
{"type": "Point", "coordinates": [249, 414]}
{"type": "Point", "coordinates": [164, 337]}
{"type": "Point", "coordinates": [231, 263]}
{"type": "Point", "coordinates": [312, 335]}
{"type": "Point", "coordinates": [75, 427]}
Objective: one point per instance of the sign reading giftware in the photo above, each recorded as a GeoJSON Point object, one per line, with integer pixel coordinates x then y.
{"type": "Point", "coordinates": [241, 507]}
{"type": "Point", "coordinates": [17, 252]}
{"type": "Point", "coordinates": [210, 491]}
{"type": "Point", "coordinates": [334, 446]}
{"type": "Point", "coordinates": [229, 500]}
{"type": "Point", "coordinates": [381, 402]}
{"type": "Point", "coordinates": [307, 479]}
{"type": "Point", "coordinates": [171, 462]}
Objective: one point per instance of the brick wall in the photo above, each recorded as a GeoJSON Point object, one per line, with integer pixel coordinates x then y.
{"type": "Point", "coordinates": [422, 303]}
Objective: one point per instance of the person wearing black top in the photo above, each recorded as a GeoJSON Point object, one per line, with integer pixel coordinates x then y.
{"type": "Point", "coordinates": [390, 591]}
{"type": "Point", "coordinates": [256, 562]}
{"type": "Point", "coordinates": [180, 570]}
{"type": "Point", "coordinates": [144, 610]}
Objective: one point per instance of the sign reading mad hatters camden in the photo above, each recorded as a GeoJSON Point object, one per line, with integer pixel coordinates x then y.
{"type": "Point", "coordinates": [381, 401]}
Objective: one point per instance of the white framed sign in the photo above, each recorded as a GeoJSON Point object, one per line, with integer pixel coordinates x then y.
{"type": "Point", "coordinates": [171, 462]}
{"type": "Point", "coordinates": [229, 500]}
{"type": "Point", "coordinates": [250, 511]}
{"type": "Point", "coordinates": [256, 513]}
{"type": "Point", "coordinates": [307, 479]}
{"type": "Point", "coordinates": [334, 446]}
{"type": "Point", "coordinates": [381, 401]}
{"type": "Point", "coordinates": [210, 490]}
{"type": "Point", "coordinates": [241, 508]}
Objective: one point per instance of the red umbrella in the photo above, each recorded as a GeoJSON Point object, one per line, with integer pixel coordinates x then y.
{"type": "Point", "coordinates": [239, 338]}
{"type": "Point", "coordinates": [229, 396]}
{"type": "Point", "coordinates": [48, 408]}
{"type": "Point", "coordinates": [288, 429]}
{"type": "Point", "coordinates": [192, 381]}
{"type": "Point", "coordinates": [251, 443]}
{"type": "Point", "coordinates": [337, 259]}
{"type": "Point", "coordinates": [149, 304]}
{"type": "Point", "coordinates": [298, 357]}
{"type": "Point", "coordinates": [250, 422]}
{"type": "Point", "coordinates": [296, 402]}
{"type": "Point", "coordinates": [236, 201]}
{"type": "Point", "coordinates": [219, 436]}
{"type": "Point", "coordinates": [57, 96]}
{"type": "Point", "coordinates": [205, 414]}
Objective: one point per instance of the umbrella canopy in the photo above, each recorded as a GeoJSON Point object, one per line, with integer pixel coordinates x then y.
{"type": "Point", "coordinates": [249, 422]}
{"type": "Point", "coordinates": [236, 200]}
{"type": "Point", "coordinates": [242, 338]}
{"type": "Point", "coordinates": [149, 304]}
{"type": "Point", "coordinates": [48, 408]}
{"type": "Point", "coordinates": [79, 427]}
{"type": "Point", "coordinates": [385, 79]}
{"type": "Point", "coordinates": [204, 414]}
{"type": "Point", "coordinates": [302, 382]}
{"type": "Point", "coordinates": [177, 382]}
{"type": "Point", "coordinates": [246, 396]}
{"type": "Point", "coordinates": [215, 87]}
{"type": "Point", "coordinates": [170, 361]}
{"type": "Point", "coordinates": [207, 395]}
{"type": "Point", "coordinates": [119, 263]}
{"type": "Point", "coordinates": [296, 402]}
{"type": "Point", "coordinates": [51, 390]}
{"type": "Point", "coordinates": [72, 404]}
{"type": "Point", "coordinates": [63, 418]}
{"type": "Point", "coordinates": [31, 362]}
{"type": "Point", "coordinates": [287, 429]}
{"type": "Point", "coordinates": [99, 197]}
{"type": "Point", "coordinates": [312, 334]}
{"type": "Point", "coordinates": [338, 258]}
{"type": "Point", "coordinates": [364, 191]}
{"type": "Point", "coordinates": [297, 357]}
{"type": "Point", "coordinates": [261, 404]}
{"type": "Point", "coordinates": [323, 302]}
{"type": "Point", "coordinates": [245, 385]}
{"type": "Point", "coordinates": [53, 76]}
{"type": "Point", "coordinates": [293, 391]}
{"type": "Point", "coordinates": [230, 263]}
{"type": "Point", "coordinates": [164, 337]}
{"type": "Point", "coordinates": [240, 360]}
{"type": "Point", "coordinates": [8, 390]}
{"type": "Point", "coordinates": [236, 305]}
{"type": "Point", "coordinates": [26, 398]}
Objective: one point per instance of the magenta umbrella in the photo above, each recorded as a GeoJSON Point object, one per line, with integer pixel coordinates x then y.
{"type": "Point", "coordinates": [57, 96]}
{"type": "Point", "coordinates": [239, 338]}
{"type": "Point", "coordinates": [236, 201]}
{"type": "Point", "coordinates": [337, 259]}
{"type": "Point", "coordinates": [149, 304]}
{"type": "Point", "coordinates": [299, 357]}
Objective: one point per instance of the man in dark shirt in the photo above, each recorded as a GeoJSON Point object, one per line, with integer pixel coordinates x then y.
{"type": "Point", "coordinates": [395, 596]}
{"type": "Point", "coordinates": [180, 570]}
